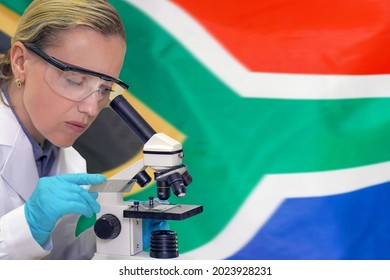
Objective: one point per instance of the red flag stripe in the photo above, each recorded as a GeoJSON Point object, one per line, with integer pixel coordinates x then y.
{"type": "Point", "coordinates": [300, 36]}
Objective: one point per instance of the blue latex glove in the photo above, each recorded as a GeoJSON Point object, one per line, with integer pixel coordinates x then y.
{"type": "Point", "coordinates": [148, 226]}
{"type": "Point", "coordinates": [57, 196]}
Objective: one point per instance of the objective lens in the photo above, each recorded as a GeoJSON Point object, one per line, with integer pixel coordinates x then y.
{"type": "Point", "coordinates": [163, 191]}
{"type": "Point", "coordinates": [177, 185]}
{"type": "Point", "coordinates": [187, 178]}
{"type": "Point", "coordinates": [178, 188]}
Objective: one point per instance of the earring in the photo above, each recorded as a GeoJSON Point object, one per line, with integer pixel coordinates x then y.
{"type": "Point", "coordinates": [18, 83]}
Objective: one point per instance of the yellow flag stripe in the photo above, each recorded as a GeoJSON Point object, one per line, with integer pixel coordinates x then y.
{"type": "Point", "coordinates": [9, 20]}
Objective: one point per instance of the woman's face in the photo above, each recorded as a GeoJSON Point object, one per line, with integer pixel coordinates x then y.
{"type": "Point", "coordinates": [51, 116]}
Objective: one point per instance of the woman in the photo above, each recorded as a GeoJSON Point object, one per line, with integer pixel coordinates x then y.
{"type": "Point", "coordinates": [63, 64]}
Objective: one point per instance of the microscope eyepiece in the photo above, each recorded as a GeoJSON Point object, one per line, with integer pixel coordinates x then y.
{"type": "Point", "coordinates": [142, 178]}
{"type": "Point", "coordinates": [132, 118]}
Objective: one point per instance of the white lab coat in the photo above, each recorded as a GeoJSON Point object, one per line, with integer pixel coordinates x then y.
{"type": "Point", "coordinates": [18, 178]}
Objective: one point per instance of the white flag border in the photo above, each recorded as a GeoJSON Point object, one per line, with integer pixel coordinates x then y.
{"type": "Point", "coordinates": [251, 84]}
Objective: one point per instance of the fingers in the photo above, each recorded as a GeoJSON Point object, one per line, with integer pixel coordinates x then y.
{"type": "Point", "coordinates": [70, 197]}
{"type": "Point", "coordinates": [94, 195]}
{"type": "Point", "coordinates": [78, 202]}
{"type": "Point", "coordinates": [77, 207]}
{"type": "Point", "coordinates": [91, 200]}
{"type": "Point", "coordinates": [83, 178]}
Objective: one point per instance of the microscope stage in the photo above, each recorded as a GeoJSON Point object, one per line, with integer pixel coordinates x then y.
{"type": "Point", "coordinates": [163, 212]}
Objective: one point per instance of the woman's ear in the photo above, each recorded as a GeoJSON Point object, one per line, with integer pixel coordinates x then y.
{"type": "Point", "coordinates": [18, 59]}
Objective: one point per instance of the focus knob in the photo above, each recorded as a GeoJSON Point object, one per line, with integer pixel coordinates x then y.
{"type": "Point", "coordinates": [107, 226]}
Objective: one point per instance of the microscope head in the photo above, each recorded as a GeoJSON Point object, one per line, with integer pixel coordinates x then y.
{"type": "Point", "coordinates": [164, 155]}
{"type": "Point", "coordinates": [161, 153]}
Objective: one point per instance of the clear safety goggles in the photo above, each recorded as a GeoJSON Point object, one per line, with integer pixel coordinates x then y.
{"type": "Point", "coordinates": [76, 83]}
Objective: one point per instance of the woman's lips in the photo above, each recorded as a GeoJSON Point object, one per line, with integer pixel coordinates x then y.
{"type": "Point", "coordinates": [77, 127]}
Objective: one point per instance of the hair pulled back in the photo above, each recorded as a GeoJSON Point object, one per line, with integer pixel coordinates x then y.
{"type": "Point", "coordinates": [43, 21]}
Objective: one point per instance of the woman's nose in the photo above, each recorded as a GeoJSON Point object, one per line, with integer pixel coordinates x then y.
{"type": "Point", "coordinates": [90, 105]}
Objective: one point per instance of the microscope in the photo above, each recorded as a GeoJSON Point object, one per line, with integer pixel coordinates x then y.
{"type": "Point", "coordinates": [118, 225]}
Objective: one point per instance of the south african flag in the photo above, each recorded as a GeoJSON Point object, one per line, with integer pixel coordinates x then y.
{"type": "Point", "coordinates": [283, 111]}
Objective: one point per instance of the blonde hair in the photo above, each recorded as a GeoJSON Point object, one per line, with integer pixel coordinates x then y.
{"type": "Point", "coordinates": [43, 20]}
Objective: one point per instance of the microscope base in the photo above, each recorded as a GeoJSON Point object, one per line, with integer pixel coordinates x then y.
{"type": "Point", "coordinates": [128, 244]}
{"type": "Point", "coordinates": [139, 256]}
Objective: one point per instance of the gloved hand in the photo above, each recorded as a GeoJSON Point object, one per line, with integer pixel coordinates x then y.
{"type": "Point", "coordinates": [148, 226]}
{"type": "Point", "coordinates": [57, 196]}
